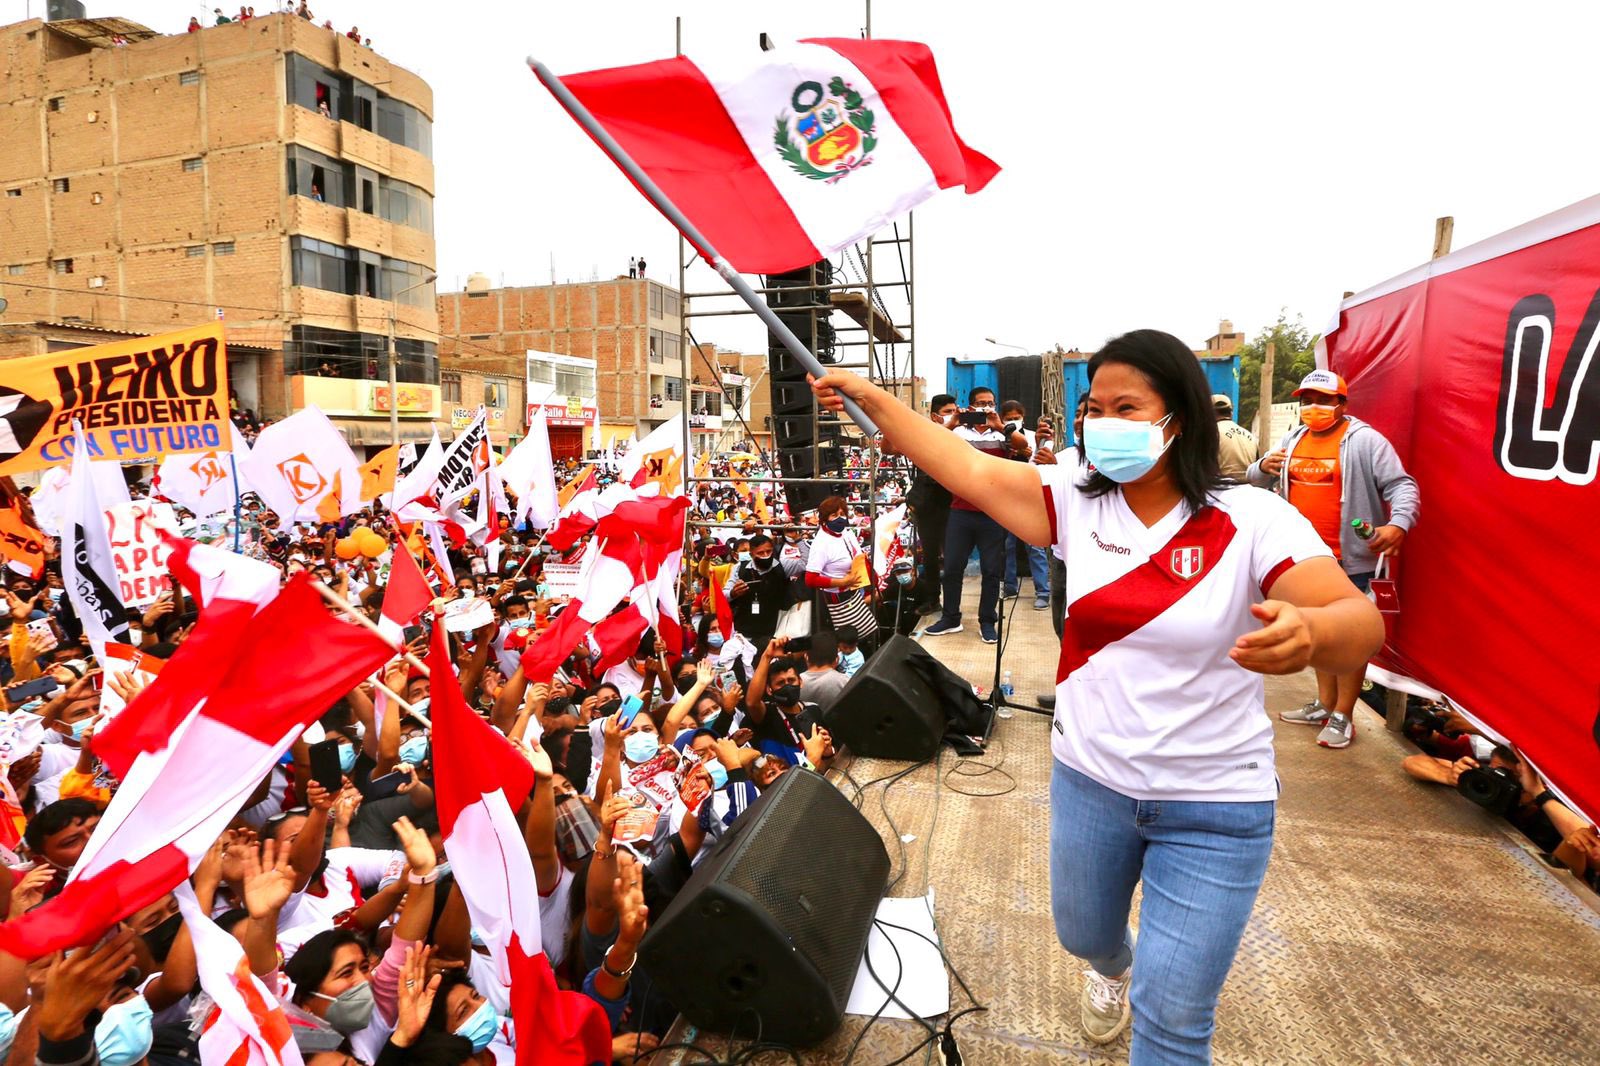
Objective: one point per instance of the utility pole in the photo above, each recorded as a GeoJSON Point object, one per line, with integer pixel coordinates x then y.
{"type": "Point", "coordinates": [394, 391]}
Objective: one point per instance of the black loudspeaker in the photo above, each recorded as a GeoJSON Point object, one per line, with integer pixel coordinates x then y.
{"type": "Point", "coordinates": [767, 928]}
{"type": "Point", "coordinates": [806, 443]}
{"type": "Point", "coordinates": [888, 710]}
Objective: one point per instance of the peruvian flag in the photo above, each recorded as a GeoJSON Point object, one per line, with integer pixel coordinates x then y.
{"type": "Point", "coordinates": [407, 593]}
{"type": "Point", "coordinates": [530, 472]}
{"type": "Point", "coordinates": [246, 1025]}
{"type": "Point", "coordinates": [480, 781]}
{"type": "Point", "coordinates": [232, 706]}
{"type": "Point", "coordinates": [782, 158]}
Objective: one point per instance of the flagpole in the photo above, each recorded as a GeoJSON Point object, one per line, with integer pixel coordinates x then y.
{"type": "Point", "coordinates": [344, 607]}
{"type": "Point", "coordinates": [238, 508]}
{"type": "Point", "coordinates": [653, 193]}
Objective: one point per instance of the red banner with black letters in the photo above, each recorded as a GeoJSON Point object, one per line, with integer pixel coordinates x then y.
{"type": "Point", "coordinates": [1481, 368]}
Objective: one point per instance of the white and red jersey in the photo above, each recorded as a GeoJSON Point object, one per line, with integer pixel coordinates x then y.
{"type": "Point", "coordinates": [1147, 701]}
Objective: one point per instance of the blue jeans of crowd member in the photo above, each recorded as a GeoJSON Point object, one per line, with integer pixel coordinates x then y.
{"type": "Point", "coordinates": [964, 531]}
{"type": "Point", "coordinates": [1038, 566]}
{"type": "Point", "coordinates": [1201, 864]}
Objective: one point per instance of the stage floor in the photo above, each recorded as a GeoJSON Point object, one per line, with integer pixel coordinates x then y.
{"type": "Point", "coordinates": [1397, 923]}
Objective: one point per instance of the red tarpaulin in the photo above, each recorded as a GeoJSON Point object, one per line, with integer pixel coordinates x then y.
{"type": "Point", "coordinates": [1480, 368]}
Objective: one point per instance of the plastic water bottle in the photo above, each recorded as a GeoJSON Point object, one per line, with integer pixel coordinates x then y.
{"type": "Point", "coordinates": [1006, 688]}
{"type": "Point", "coordinates": [1362, 527]}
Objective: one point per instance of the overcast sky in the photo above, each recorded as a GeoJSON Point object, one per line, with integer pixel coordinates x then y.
{"type": "Point", "coordinates": [1166, 165]}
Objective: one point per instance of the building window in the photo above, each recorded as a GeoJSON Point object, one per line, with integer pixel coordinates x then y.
{"type": "Point", "coordinates": [317, 176]}
{"type": "Point", "coordinates": [62, 266]}
{"type": "Point", "coordinates": [658, 346]}
{"type": "Point", "coordinates": [402, 202]}
{"type": "Point", "coordinates": [56, 102]}
{"type": "Point", "coordinates": [450, 388]}
{"type": "Point", "coordinates": [669, 303]}
{"type": "Point", "coordinates": [189, 77]}
{"type": "Point", "coordinates": [496, 394]}
{"type": "Point", "coordinates": [16, 268]}
{"type": "Point", "coordinates": [13, 192]}
{"type": "Point", "coordinates": [334, 96]}
{"type": "Point", "coordinates": [195, 251]}
{"type": "Point", "coordinates": [62, 185]}
{"type": "Point", "coordinates": [675, 389]}
{"type": "Point", "coordinates": [191, 165]}
{"type": "Point", "coordinates": [222, 248]}
{"type": "Point", "coordinates": [574, 381]}
{"type": "Point", "coordinates": [320, 265]}
{"type": "Point", "coordinates": [655, 301]}
{"type": "Point", "coordinates": [316, 350]}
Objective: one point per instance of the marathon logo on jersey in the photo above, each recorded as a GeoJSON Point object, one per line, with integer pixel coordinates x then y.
{"type": "Point", "coordinates": [1188, 562]}
{"type": "Point", "coordinates": [135, 399]}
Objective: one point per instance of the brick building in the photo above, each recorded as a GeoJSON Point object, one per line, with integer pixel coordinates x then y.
{"type": "Point", "coordinates": [269, 173]}
{"type": "Point", "coordinates": [629, 327]}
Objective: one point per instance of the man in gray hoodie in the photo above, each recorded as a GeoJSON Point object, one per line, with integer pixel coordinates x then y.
{"type": "Point", "coordinates": [1345, 477]}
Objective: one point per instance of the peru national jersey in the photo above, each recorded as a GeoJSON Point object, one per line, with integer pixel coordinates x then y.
{"type": "Point", "coordinates": [1147, 701]}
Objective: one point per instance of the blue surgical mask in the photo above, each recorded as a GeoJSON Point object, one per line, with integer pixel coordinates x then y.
{"type": "Point", "coordinates": [836, 525]}
{"type": "Point", "coordinates": [708, 720]}
{"type": "Point", "coordinates": [641, 747]}
{"type": "Point", "coordinates": [8, 1029]}
{"type": "Point", "coordinates": [414, 750]}
{"type": "Point", "coordinates": [81, 726]}
{"type": "Point", "coordinates": [744, 557]}
{"type": "Point", "coordinates": [481, 1026]}
{"type": "Point", "coordinates": [347, 757]}
{"type": "Point", "coordinates": [850, 662]}
{"type": "Point", "coordinates": [714, 640]}
{"type": "Point", "coordinates": [719, 774]}
{"type": "Point", "coordinates": [904, 579]}
{"type": "Point", "coordinates": [520, 623]}
{"type": "Point", "coordinates": [125, 1033]}
{"type": "Point", "coordinates": [1124, 449]}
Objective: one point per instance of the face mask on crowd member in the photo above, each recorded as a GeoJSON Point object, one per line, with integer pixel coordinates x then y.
{"type": "Point", "coordinates": [125, 1032]}
{"type": "Point", "coordinates": [157, 925]}
{"type": "Point", "coordinates": [331, 980]}
{"type": "Point", "coordinates": [460, 1010]}
{"type": "Point", "coordinates": [641, 743]}
{"type": "Point", "coordinates": [1014, 417]}
{"type": "Point", "coordinates": [414, 745]}
{"type": "Point", "coordinates": [761, 552]}
{"type": "Point", "coordinates": [1319, 410]}
{"type": "Point", "coordinates": [783, 683]}
{"type": "Point", "coordinates": [944, 410]}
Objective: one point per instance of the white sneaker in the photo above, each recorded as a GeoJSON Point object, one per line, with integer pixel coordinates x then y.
{"type": "Point", "coordinates": [1104, 1008]}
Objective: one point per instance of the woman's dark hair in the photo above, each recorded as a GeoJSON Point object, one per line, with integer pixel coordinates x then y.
{"type": "Point", "coordinates": [1175, 374]}
{"type": "Point", "coordinates": [439, 1013]}
{"type": "Point", "coordinates": [829, 506]}
{"type": "Point", "coordinates": [308, 967]}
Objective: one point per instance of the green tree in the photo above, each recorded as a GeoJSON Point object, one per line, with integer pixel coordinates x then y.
{"type": "Point", "coordinates": [1294, 357]}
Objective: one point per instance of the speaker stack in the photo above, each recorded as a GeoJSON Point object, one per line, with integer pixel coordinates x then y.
{"type": "Point", "coordinates": [797, 425]}
{"type": "Point", "coordinates": [762, 930]}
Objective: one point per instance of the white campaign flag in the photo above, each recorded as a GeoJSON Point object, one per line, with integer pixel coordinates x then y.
{"type": "Point", "coordinates": [87, 567]}
{"type": "Point", "coordinates": [464, 462]}
{"type": "Point", "coordinates": [206, 483]}
{"type": "Point", "coordinates": [886, 544]}
{"type": "Point", "coordinates": [302, 465]}
{"type": "Point", "coordinates": [417, 483]}
{"type": "Point", "coordinates": [656, 460]}
{"type": "Point", "coordinates": [530, 472]}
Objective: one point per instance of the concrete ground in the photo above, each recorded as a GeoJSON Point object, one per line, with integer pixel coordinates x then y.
{"type": "Point", "coordinates": [1397, 923]}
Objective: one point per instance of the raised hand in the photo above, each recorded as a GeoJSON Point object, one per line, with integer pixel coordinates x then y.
{"type": "Point", "coordinates": [268, 880]}
{"type": "Point", "coordinates": [75, 985]}
{"type": "Point", "coordinates": [414, 996]}
{"type": "Point", "coordinates": [632, 915]}
{"type": "Point", "coordinates": [28, 891]}
{"type": "Point", "coordinates": [126, 684]}
{"type": "Point", "coordinates": [418, 848]}
{"type": "Point", "coordinates": [704, 672]}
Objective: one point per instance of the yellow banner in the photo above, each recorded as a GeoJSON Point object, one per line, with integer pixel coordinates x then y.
{"type": "Point", "coordinates": [137, 399]}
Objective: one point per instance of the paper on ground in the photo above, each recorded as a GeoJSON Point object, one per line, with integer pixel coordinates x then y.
{"type": "Point", "coordinates": [924, 985]}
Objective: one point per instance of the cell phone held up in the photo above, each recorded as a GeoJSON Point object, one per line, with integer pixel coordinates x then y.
{"type": "Point", "coordinates": [387, 785]}
{"type": "Point", "coordinates": [325, 769]}
{"type": "Point", "coordinates": [972, 418]}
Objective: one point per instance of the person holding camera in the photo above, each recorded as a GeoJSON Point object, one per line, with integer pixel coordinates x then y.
{"type": "Point", "coordinates": [970, 528]}
{"type": "Point", "coordinates": [1504, 785]}
{"type": "Point", "coordinates": [1038, 559]}
{"type": "Point", "coordinates": [930, 507]}
{"type": "Point", "coordinates": [1183, 589]}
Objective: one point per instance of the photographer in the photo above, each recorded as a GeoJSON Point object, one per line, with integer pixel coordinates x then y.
{"type": "Point", "coordinates": [930, 506]}
{"type": "Point", "coordinates": [970, 528]}
{"type": "Point", "coordinates": [1038, 559]}
{"type": "Point", "coordinates": [1507, 786]}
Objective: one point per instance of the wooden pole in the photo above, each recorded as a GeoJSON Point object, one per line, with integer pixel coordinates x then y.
{"type": "Point", "coordinates": [1264, 403]}
{"type": "Point", "coordinates": [1444, 230]}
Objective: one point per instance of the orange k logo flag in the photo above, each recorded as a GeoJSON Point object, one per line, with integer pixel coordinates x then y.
{"type": "Point", "coordinates": [305, 484]}
{"type": "Point", "coordinates": [330, 508]}
{"type": "Point", "coordinates": [208, 468]}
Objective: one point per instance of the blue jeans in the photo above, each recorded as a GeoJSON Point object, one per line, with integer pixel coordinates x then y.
{"type": "Point", "coordinates": [965, 531]}
{"type": "Point", "coordinates": [1363, 581]}
{"type": "Point", "coordinates": [1201, 864]}
{"type": "Point", "coordinates": [1038, 566]}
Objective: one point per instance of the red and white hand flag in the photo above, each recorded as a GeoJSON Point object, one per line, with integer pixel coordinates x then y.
{"type": "Point", "coordinates": [406, 595]}
{"type": "Point", "coordinates": [479, 782]}
{"type": "Point", "coordinates": [782, 158]}
{"type": "Point", "coordinates": [236, 706]}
